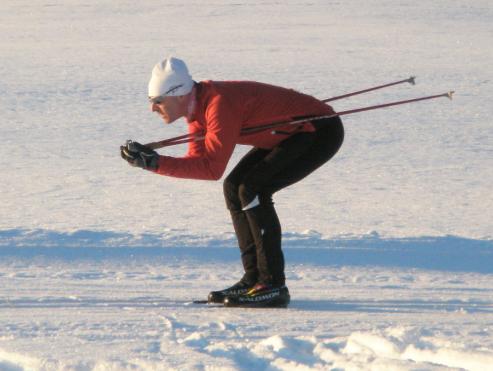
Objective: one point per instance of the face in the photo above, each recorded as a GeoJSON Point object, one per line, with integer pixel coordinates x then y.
{"type": "Point", "coordinates": [169, 108]}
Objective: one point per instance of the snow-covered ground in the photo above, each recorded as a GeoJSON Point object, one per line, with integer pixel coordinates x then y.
{"type": "Point", "coordinates": [389, 247]}
{"type": "Point", "coordinates": [134, 311]}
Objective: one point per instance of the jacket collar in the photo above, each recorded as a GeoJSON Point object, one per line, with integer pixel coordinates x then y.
{"type": "Point", "coordinates": [192, 104]}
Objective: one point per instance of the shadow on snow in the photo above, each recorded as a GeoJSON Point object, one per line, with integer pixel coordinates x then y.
{"type": "Point", "coordinates": [445, 253]}
{"type": "Point", "coordinates": [393, 306]}
{"type": "Point", "coordinates": [376, 306]}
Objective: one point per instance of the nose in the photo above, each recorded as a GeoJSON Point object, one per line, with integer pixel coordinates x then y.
{"type": "Point", "coordinates": [153, 107]}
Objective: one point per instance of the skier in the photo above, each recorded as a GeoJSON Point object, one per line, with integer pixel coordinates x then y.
{"type": "Point", "coordinates": [220, 110]}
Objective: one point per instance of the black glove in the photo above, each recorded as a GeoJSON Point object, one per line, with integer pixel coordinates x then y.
{"type": "Point", "coordinates": [139, 155]}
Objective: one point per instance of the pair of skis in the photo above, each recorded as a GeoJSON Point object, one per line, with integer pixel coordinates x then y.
{"type": "Point", "coordinates": [186, 138]}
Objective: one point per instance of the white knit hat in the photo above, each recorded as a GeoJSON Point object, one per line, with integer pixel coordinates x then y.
{"type": "Point", "coordinates": [170, 77]}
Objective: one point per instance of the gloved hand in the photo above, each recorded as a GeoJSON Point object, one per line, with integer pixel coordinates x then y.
{"type": "Point", "coordinates": [138, 155]}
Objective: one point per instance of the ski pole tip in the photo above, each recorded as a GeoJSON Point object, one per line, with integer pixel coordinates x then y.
{"type": "Point", "coordinates": [449, 94]}
{"type": "Point", "coordinates": [412, 80]}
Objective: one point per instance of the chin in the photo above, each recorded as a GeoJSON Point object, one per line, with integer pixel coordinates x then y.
{"type": "Point", "coordinates": [169, 120]}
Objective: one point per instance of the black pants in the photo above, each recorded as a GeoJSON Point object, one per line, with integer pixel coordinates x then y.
{"type": "Point", "coordinates": [249, 187]}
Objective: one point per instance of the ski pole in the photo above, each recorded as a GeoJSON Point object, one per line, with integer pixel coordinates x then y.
{"type": "Point", "coordinates": [306, 119]}
{"type": "Point", "coordinates": [410, 80]}
{"type": "Point", "coordinates": [186, 138]}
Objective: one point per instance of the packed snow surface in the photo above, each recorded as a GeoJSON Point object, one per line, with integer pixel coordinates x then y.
{"type": "Point", "coordinates": [389, 247]}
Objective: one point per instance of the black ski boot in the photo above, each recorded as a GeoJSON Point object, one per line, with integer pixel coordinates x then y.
{"type": "Point", "coordinates": [238, 288]}
{"type": "Point", "coordinates": [261, 296]}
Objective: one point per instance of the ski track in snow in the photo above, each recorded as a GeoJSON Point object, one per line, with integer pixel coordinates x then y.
{"type": "Point", "coordinates": [388, 247]}
{"type": "Point", "coordinates": [86, 314]}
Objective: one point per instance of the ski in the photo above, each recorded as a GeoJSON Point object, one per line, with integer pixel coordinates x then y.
{"type": "Point", "coordinates": [200, 302]}
{"type": "Point", "coordinates": [207, 303]}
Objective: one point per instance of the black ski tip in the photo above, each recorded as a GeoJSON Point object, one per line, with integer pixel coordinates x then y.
{"type": "Point", "coordinates": [200, 301]}
{"type": "Point", "coordinates": [412, 80]}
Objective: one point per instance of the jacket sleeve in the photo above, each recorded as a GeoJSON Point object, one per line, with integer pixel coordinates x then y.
{"type": "Point", "coordinates": [207, 160]}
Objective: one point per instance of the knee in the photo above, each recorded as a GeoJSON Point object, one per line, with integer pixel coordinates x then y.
{"type": "Point", "coordinates": [251, 197]}
{"type": "Point", "coordinates": [246, 194]}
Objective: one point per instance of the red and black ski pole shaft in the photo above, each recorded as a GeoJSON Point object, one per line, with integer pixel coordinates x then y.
{"type": "Point", "coordinates": [410, 80]}
{"type": "Point", "coordinates": [303, 120]}
{"type": "Point", "coordinates": [187, 138]}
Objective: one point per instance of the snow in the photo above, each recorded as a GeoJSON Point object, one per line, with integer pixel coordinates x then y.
{"type": "Point", "coordinates": [131, 311]}
{"type": "Point", "coordinates": [389, 247]}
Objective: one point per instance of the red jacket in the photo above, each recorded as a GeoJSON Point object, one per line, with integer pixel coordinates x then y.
{"type": "Point", "coordinates": [222, 110]}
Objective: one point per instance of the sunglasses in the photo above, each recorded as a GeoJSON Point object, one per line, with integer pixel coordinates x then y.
{"type": "Point", "coordinates": [160, 98]}
{"type": "Point", "coordinates": [157, 100]}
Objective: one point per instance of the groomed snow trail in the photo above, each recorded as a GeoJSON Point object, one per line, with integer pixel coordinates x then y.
{"type": "Point", "coordinates": [136, 312]}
